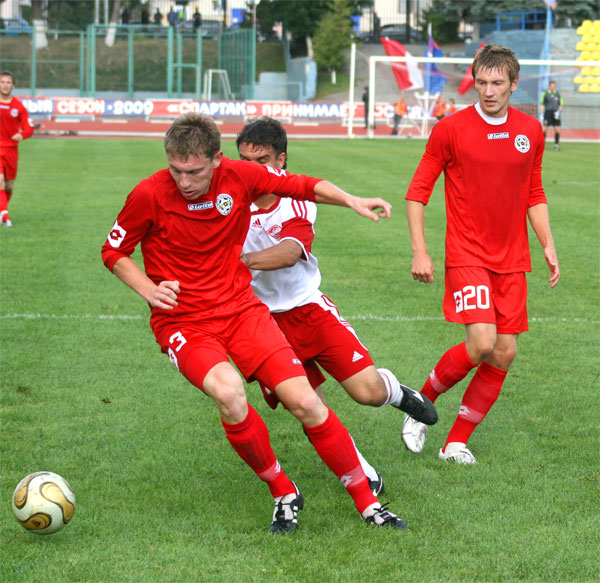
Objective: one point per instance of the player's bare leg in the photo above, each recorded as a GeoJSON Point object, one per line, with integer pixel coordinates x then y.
{"type": "Point", "coordinates": [334, 446]}
{"type": "Point", "coordinates": [249, 437]}
{"type": "Point", "coordinates": [379, 387]}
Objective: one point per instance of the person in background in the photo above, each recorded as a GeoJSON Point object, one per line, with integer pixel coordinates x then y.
{"type": "Point", "coordinates": [15, 126]}
{"type": "Point", "coordinates": [451, 107]}
{"type": "Point", "coordinates": [400, 110]}
{"type": "Point", "coordinates": [491, 156]}
{"type": "Point", "coordinates": [551, 109]}
{"type": "Point", "coordinates": [197, 19]}
{"type": "Point", "coordinates": [439, 108]}
{"type": "Point", "coordinates": [365, 100]}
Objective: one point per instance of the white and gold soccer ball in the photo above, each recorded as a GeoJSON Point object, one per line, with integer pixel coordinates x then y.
{"type": "Point", "coordinates": [43, 502]}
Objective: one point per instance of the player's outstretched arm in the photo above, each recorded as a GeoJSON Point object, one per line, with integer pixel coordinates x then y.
{"type": "Point", "coordinates": [422, 266]}
{"type": "Point", "coordinates": [540, 222]}
{"type": "Point", "coordinates": [373, 208]}
{"type": "Point", "coordinates": [162, 296]}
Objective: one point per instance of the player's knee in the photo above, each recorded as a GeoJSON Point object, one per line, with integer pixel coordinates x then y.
{"type": "Point", "coordinates": [504, 355]}
{"type": "Point", "coordinates": [229, 395]}
{"type": "Point", "coordinates": [370, 392]}
{"type": "Point", "coordinates": [307, 407]}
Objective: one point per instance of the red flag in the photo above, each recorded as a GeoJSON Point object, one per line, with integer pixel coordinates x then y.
{"type": "Point", "coordinates": [468, 82]}
{"type": "Point", "coordinates": [408, 75]}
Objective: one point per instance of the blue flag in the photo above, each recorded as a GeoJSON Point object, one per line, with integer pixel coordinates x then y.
{"type": "Point", "coordinates": [434, 78]}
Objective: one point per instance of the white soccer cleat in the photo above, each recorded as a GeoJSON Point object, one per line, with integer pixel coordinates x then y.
{"type": "Point", "coordinates": [7, 223]}
{"type": "Point", "coordinates": [457, 452]}
{"type": "Point", "coordinates": [413, 434]}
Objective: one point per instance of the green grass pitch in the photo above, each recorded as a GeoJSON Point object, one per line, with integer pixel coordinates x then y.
{"type": "Point", "coordinates": [162, 497]}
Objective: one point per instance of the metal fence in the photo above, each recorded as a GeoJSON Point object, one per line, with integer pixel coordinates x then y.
{"type": "Point", "coordinates": [128, 61]}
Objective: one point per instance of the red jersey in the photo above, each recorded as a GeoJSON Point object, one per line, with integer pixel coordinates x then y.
{"type": "Point", "coordinates": [198, 243]}
{"type": "Point", "coordinates": [13, 119]}
{"type": "Point", "coordinates": [493, 174]}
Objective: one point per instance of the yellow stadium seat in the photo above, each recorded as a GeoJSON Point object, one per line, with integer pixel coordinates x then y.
{"type": "Point", "coordinates": [578, 80]}
{"type": "Point", "coordinates": [583, 88]}
{"type": "Point", "coordinates": [586, 55]}
{"type": "Point", "coordinates": [580, 46]}
{"type": "Point", "coordinates": [587, 37]}
{"type": "Point", "coordinates": [580, 31]}
{"type": "Point", "coordinates": [591, 47]}
{"type": "Point", "coordinates": [594, 70]}
{"type": "Point", "coordinates": [596, 56]}
{"type": "Point", "coordinates": [594, 89]}
{"type": "Point", "coordinates": [586, 71]}
{"type": "Point", "coordinates": [589, 80]}
{"type": "Point", "coordinates": [597, 37]}
{"type": "Point", "coordinates": [587, 23]}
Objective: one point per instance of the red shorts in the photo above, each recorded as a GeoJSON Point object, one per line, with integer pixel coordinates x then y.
{"type": "Point", "coordinates": [9, 161]}
{"type": "Point", "coordinates": [251, 338]}
{"type": "Point", "coordinates": [318, 334]}
{"type": "Point", "coordinates": [477, 295]}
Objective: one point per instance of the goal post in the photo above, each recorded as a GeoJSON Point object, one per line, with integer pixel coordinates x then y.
{"type": "Point", "coordinates": [578, 82]}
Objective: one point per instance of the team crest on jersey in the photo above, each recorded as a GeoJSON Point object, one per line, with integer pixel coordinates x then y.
{"type": "Point", "coordinates": [522, 143]}
{"type": "Point", "coordinates": [224, 203]}
{"type": "Point", "coordinates": [274, 231]}
{"type": "Point", "coordinates": [116, 235]}
{"type": "Point", "coordinates": [14, 112]}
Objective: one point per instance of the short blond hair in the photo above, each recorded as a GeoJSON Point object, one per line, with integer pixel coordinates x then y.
{"type": "Point", "coordinates": [193, 134]}
{"type": "Point", "coordinates": [497, 57]}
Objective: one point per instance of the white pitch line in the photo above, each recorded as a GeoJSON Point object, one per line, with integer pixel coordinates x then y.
{"type": "Point", "coordinates": [373, 317]}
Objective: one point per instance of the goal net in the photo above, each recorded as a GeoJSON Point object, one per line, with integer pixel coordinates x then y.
{"type": "Point", "coordinates": [578, 82]}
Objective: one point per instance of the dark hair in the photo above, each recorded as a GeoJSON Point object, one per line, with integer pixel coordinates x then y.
{"type": "Point", "coordinates": [193, 134]}
{"type": "Point", "coordinates": [264, 131]}
{"type": "Point", "coordinates": [8, 74]}
{"type": "Point", "coordinates": [496, 57]}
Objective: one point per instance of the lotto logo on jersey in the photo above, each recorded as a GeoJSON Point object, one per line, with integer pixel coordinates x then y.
{"type": "Point", "coordinates": [224, 204]}
{"type": "Point", "coordinates": [116, 235]}
{"type": "Point", "coordinates": [522, 143]}
{"type": "Point", "coordinates": [14, 112]}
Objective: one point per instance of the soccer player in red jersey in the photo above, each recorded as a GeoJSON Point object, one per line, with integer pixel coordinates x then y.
{"type": "Point", "coordinates": [14, 127]}
{"type": "Point", "coordinates": [191, 220]}
{"type": "Point", "coordinates": [286, 277]}
{"type": "Point", "coordinates": [491, 156]}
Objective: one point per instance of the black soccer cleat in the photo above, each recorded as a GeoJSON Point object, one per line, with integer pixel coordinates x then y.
{"type": "Point", "coordinates": [376, 485]}
{"type": "Point", "coordinates": [285, 515]}
{"type": "Point", "coordinates": [418, 406]}
{"type": "Point", "coordinates": [381, 516]}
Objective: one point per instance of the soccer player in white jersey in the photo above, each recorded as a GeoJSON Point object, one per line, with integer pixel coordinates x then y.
{"type": "Point", "coordinates": [286, 277]}
{"type": "Point", "coordinates": [491, 156]}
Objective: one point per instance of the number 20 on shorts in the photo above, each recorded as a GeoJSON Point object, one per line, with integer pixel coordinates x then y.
{"type": "Point", "coordinates": [472, 297]}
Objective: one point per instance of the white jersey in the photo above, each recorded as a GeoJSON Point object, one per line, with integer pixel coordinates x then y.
{"type": "Point", "coordinates": [289, 287]}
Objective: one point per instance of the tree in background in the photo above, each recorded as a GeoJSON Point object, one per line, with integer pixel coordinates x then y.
{"type": "Point", "coordinates": [300, 18]}
{"type": "Point", "coordinates": [333, 37]}
{"type": "Point", "coordinates": [444, 18]}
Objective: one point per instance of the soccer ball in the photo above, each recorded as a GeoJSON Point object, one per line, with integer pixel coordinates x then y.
{"type": "Point", "coordinates": [43, 502]}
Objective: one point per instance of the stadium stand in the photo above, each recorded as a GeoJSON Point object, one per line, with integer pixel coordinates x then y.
{"type": "Point", "coordinates": [588, 47]}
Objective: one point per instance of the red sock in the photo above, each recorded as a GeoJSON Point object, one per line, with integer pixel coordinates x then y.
{"type": "Point", "coordinates": [3, 201]}
{"type": "Point", "coordinates": [334, 445]}
{"type": "Point", "coordinates": [452, 368]}
{"type": "Point", "coordinates": [250, 439]}
{"type": "Point", "coordinates": [481, 394]}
